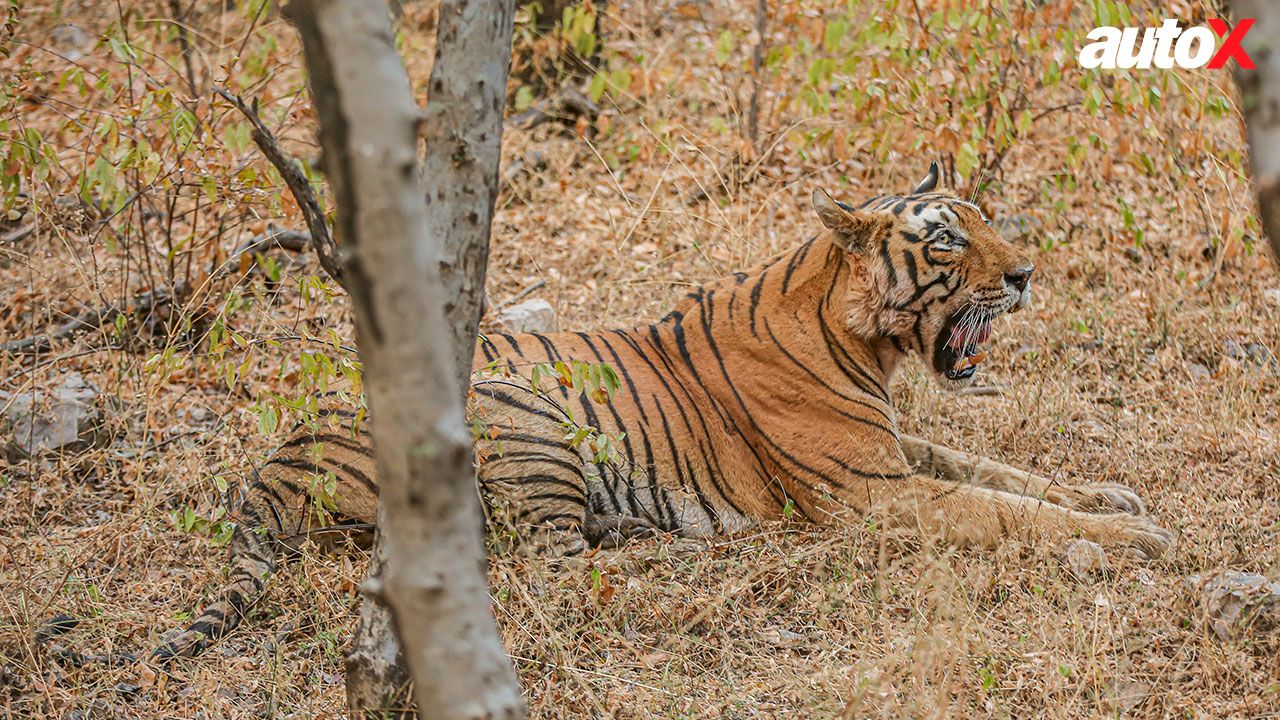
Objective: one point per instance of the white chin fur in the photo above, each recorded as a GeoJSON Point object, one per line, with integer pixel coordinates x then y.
{"type": "Point", "coordinates": [1023, 302]}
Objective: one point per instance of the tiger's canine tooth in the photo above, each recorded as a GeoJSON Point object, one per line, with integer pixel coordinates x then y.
{"type": "Point", "coordinates": [969, 361]}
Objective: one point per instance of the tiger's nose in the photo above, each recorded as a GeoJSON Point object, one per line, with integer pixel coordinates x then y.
{"type": "Point", "coordinates": [1020, 277]}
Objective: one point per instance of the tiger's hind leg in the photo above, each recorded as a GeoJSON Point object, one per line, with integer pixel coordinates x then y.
{"type": "Point", "coordinates": [535, 489]}
{"type": "Point", "coordinates": [613, 531]}
{"type": "Point", "coordinates": [933, 460]}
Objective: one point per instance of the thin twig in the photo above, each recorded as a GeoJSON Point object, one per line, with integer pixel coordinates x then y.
{"type": "Point", "coordinates": [95, 318]}
{"type": "Point", "coordinates": [184, 42]}
{"type": "Point", "coordinates": [757, 64]}
{"type": "Point", "coordinates": [520, 295]}
{"type": "Point", "coordinates": [18, 233]}
{"type": "Point", "coordinates": [585, 671]}
{"type": "Point", "coordinates": [291, 171]}
{"type": "Point", "coordinates": [290, 240]}
{"type": "Point", "coordinates": [84, 320]}
{"type": "Point", "coordinates": [982, 391]}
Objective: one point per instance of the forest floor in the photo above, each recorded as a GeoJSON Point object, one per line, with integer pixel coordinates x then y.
{"type": "Point", "coordinates": [1149, 359]}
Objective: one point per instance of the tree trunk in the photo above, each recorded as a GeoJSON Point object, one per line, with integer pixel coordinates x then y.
{"type": "Point", "coordinates": [435, 580]}
{"type": "Point", "coordinates": [463, 133]}
{"type": "Point", "coordinates": [1260, 103]}
{"type": "Point", "coordinates": [377, 677]}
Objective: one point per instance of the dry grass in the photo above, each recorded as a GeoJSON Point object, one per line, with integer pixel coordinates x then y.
{"type": "Point", "coordinates": [1121, 373]}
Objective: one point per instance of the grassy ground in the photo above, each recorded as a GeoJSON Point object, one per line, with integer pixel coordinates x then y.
{"type": "Point", "coordinates": [1132, 367]}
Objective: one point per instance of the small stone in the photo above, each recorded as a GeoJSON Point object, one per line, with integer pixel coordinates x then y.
{"type": "Point", "coordinates": [54, 627]}
{"type": "Point", "coordinates": [44, 422]}
{"type": "Point", "coordinates": [1122, 696]}
{"type": "Point", "coordinates": [1234, 602]}
{"type": "Point", "coordinates": [531, 316]}
{"type": "Point", "coordinates": [1084, 557]}
{"type": "Point", "coordinates": [1259, 354]}
{"type": "Point", "coordinates": [197, 414]}
{"type": "Point", "coordinates": [72, 41]}
{"type": "Point", "coordinates": [781, 637]}
{"type": "Point", "coordinates": [1198, 371]}
{"type": "Point", "coordinates": [1234, 350]}
{"type": "Point", "coordinates": [1255, 353]}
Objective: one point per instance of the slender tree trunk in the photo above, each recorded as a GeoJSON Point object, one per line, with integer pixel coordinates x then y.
{"type": "Point", "coordinates": [435, 581]}
{"type": "Point", "coordinates": [377, 677]}
{"type": "Point", "coordinates": [1260, 103]}
{"type": "Point", "coordinates": [463, 133]}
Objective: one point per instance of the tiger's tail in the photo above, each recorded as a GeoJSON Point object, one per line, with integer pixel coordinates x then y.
{"type": "Point", "coordinates": [254, 551]}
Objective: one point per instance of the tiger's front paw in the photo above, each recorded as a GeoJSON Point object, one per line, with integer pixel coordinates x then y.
{"type": "Point", "coordinates": [1136, 534]}
{"type": "Point", "coordinates": [1098, 498]}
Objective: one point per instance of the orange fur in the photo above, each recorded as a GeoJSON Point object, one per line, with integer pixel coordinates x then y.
{"type": "Point", "coordinates": [764, 393]}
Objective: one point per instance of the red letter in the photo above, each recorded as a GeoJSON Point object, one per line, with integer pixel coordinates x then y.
{"type": "Point", "coordinates": [1231, 43]}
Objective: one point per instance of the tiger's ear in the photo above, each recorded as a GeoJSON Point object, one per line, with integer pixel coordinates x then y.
{"type": "Point", "coordinates": [854, 230]}
{"type": "Point", "coordinates": [930, 182]}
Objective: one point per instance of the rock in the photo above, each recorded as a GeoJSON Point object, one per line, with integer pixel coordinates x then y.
{"type": "Point", "coordinates": [1017, 228]}
{"type": "Point", "coordinates": [781, 637]}
{"type": "Point", "coordinates": [1255, 353]}
{"type": "Point", "coordinates": [1125, 696]}
{"type": "Point", "coordinates": [536, 316]}
{"type": "Point", "coordinates": [44, 421]}
{"type": "Point", "coordinates": [72, 41]}
{"type": "Point", "coordinates": [1198, 371]}
{"type": "Point", "coordinates": [532, 162]}
{"type": "Point", "coordinates": [1233, 350]}
{"type": "Point", "coordinates": [1234, 602]}
{"type": "Point", "coordinates": [1084, 557]}
{"type": "Point", "coordinates": [54, 627]}
{"type": "Point", "coordinates": [1260, 354]}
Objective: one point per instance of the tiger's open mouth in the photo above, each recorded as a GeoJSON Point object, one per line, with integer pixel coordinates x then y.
{"type": "Point", "coordinates": [959, 348]}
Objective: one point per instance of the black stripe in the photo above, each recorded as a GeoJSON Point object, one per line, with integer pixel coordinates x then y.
{"type": "Point", "coordinates": [727, 421]}
{"type": "Point", "coordinates": [637, 508]}
{"type": "Point", "coordinates": [890, 428]}
{"type": "Point", "coordinates": [541, 479]}
{"type": "Point", "coordinates": [700, 442]}
{"type": "Point", "coordinates": [535, 457]}
{"type": "Point", "coordinates": [797, 258]}
{"type": "Point", "coordinates": [551, 518]}
{"type": "Point", "coordinates": [490, 390]}
{"type": "Point", "coordinates": [515, 345]}
{"type": "Point", "coordinates": [551, 495]}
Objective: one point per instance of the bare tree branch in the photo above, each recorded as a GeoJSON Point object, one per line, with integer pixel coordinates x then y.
{"type": "Point", "coordinates": [290, 170]}
{"type": "Point", "coordinates": [17, 234]}
{"type": "Point", "coordinates": [90, 319]}
{"type": "Point", "coordinates": [94, 318]}
{"type": "Point", "coordinates": [757, 67]}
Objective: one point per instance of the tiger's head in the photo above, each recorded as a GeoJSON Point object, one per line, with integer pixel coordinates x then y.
{"type": "Point", "coordinates": [929, 274]}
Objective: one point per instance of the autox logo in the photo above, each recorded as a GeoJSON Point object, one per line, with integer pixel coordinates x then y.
{"type": "Point", "coordinates": [1167, 46]}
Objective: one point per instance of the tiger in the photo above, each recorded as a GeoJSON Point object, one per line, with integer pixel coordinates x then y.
{"type": "Point", "coordinates": [762, 395]}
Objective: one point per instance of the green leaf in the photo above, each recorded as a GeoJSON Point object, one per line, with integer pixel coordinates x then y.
{"type": "Point", "coordinates": [966, 159]}
{"type": "Point", "coordinates": [524, 98]}
{"type": "Point", "coordinates": [1024, 122]}
{"type": "Point", "coordinates": [598, 84]}
{"type": "Point", "coordinates": [268, 420]}
{"type": "Point", "coordinates": [724, 46]}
